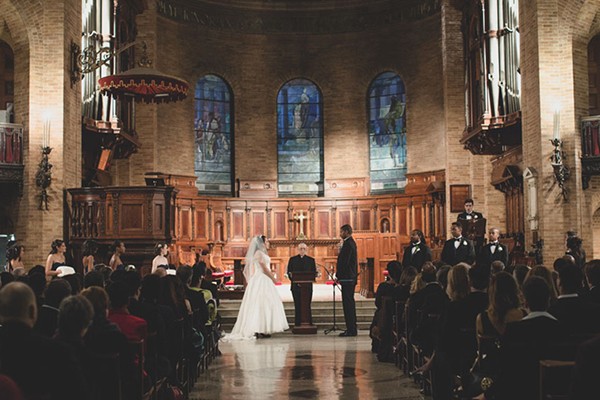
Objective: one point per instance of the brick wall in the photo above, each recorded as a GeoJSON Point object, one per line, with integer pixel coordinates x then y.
{"type": "Point", "coordinates": [256, 66]}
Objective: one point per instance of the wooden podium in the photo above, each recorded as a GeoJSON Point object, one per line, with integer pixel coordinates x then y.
{"type": "Point", "coordinates": [304, 280]}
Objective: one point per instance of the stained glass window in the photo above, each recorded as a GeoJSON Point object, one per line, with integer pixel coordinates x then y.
{"type": "Point", "coordinates": [387, 133]}
{"type": "Point", "coordinates": [299, 139]}
{"type": "Point", "coordinates": [213, 130]}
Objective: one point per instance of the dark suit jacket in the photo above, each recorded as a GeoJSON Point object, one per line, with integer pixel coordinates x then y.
{"type": "Point", "coordinates": [42, 367]}
{"type": "Point", "coordinates": [419, 258]}
{"type": "Point", "coordinates": [578, 315]}
{"type": "Point", "coordinates": [474, 215]}
{"type": "Point", "coordinates": [594, 295]}
{"type": "Point", "coordinates": [300, 264]}
{"type": "Point", "coordinates": [486, 257]}
{"type": "Point", "coordinates": [524, 344]}
{"type": "Point", "coordinates": [464, 253]}
{"type": "Point", "coordinates": [347, 261]}
{"type": "Point", "coordinates": [47, 321]}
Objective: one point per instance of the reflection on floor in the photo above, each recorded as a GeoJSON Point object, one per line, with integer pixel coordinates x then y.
{"type": "Point", "coordinates": [302, 367]}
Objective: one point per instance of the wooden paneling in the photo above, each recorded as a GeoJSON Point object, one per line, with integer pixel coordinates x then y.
{"type": "Point", "coordinates": [132, 217]}
{"type": "Point", "coordinates": [258, 223]}
{"type": "Point", "coordinates": [201, 224]}
{"type": "Point", "coordinates": [158, 217]}
{"type": "Point", "coordinates": [364, 220]}
{"type": "Point", "coordinates": [418, 217]}
{"type": "Point", "coordinates": [403, 226]}
{"type": "Point", "coordinates": [185, 220]}
{"type": "Point", "coordinates": [238, 225]}
{"type": "Point", "coordinates": [324, 225]}
{"type": "Point", "coordinates": [280, 224]}
{"type": "Point", "coordinates": [345, 217]}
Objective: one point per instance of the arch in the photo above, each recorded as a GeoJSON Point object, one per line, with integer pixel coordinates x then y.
{"type": "Point", "coordinates": [213, 135]}
{"type": "Point", "coordinates": [300, 139]}
{"type": "Point", "coordinates": [386, 111]}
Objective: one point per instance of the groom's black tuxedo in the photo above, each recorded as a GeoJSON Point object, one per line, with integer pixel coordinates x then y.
{"type": "Point", "coordinates": [300, 264]}
{"type": "Point", "coordinates": [418, 257]}
{"type": "Point", "coordinates": [347, 272]}
{"type": "Point", "coordinates": [465, 252]}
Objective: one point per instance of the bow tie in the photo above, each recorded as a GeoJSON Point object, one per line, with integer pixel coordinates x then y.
{"type": "Point", "coordinates": [494, 243]}
{"type": "Point", "coordinates": [457, 239]}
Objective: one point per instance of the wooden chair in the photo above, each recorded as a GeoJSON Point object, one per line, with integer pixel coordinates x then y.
{"type": "Point", "coordinates": [138, 349]}
{"type": "Point", "coordinates": [399, 332]}
{"type": "Point", "coordinates": [555, 379]}
{"type": "Point", "coordinates": [406, 353]}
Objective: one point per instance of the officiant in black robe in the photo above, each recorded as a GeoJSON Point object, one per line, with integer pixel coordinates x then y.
{"type": "Point", "coordinates": [301, 263]}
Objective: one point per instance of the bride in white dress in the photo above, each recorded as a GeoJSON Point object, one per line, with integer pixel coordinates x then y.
{"type": "Point", "coordinates": [261, 311]}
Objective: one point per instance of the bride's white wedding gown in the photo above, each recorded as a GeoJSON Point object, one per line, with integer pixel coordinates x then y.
{"type": "Point", "coordinates": [261, 310]}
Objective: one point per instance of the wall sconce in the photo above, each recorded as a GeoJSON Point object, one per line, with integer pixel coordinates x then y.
{"type": "Point", "coordinates": [561, 171]}
{"type": "Point", "coordinates": [43, 176]}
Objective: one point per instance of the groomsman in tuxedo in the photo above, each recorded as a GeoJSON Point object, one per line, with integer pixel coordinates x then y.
{"type": "Point", "coordinates": [458, 248]}
{"type": "Point", "coordinates": [494, 250]}
{"type": "Point", "coordinates": [300, 263]}
{"type": "Point", "coordinates": [346, 273]}
{"type": "Point", "coordinates": [417, 253]}
{"type": "Point", "coordinates": [469, 213]}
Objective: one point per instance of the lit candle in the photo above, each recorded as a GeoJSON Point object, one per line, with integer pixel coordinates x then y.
{"type": "Point", "coordinates": [557, 125]}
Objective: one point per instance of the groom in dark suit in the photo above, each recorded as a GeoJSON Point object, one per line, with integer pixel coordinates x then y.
{"type": "Point", "coordinates": [300, 263]}
{"type": "Point", "coordinates": [346, 273]}
{"type": "Point", "coordinates": [417, 253]}
{"type": "Point", "coordinates": [458, 248]}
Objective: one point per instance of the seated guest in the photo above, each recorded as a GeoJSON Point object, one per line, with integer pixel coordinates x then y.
{"type": "Point", "coordinates": [37, 364]}
{"type": "Point", "coordinates": [592, 274]}
{"type": "Point", "coordinates": [520, 273]}
{"type": "Point", "coordinates": [545, 273]}
{"type": "Point", "coordinates": [93, 278]}
{"type": "Point", "coordinates": [9, 389]}
{"type": "Point", "coordinates": [196, 299]}
{"type": "Point", "coordinates": [425, 308]}
{"type": "Point", "coordinates": [528, 341]}
{"type": "Point", "coordinates": [504, 306]}
{"type": "Point", "coordinates": [133, 327]}
{"type": "Point", "coordinates": [454, 334]}
{"type": "Point", "coordinates": [37, 282]}
{"type": "Point", "coordinates": [406, 279]}
{"type": "Point", "coordinates": [6, 278]}
{"type": "Point", "coordinates": [442, 275]}
{"type": "Point", "coordinates": [417, 253]}
{"type": "Point", "coordinates": [577, 314]}
{"type": "Point", "coordinates": [76, 282]}
{"type": "Point", "coordinates": [47, 321]}
{"type": "Point", "coordinates": [208, 284]}
{"type": "Point", "coordinates": [496, 266]}
{"type": "Point", "coordinates": [381, 326]}
{"type": "Point", "coordinates": [74, 318]}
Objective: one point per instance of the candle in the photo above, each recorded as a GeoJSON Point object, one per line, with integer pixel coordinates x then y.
{"type": "Point", "coordinates": [557, 125]}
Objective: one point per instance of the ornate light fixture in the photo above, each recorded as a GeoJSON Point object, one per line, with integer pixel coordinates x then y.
{"type": "Point", "coordinates": [561, 171]}
{"type": "Point", "coordinates": [43, 176]}
{"type": "Point", "coordinates": [143, 83]}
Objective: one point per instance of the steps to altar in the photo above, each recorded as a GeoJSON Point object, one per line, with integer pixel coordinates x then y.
{"type": "Point", "coordinates": [322, 313]}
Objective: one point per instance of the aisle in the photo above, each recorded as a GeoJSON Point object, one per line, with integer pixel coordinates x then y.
{"type": "Point", "coordinates": [302, 367]}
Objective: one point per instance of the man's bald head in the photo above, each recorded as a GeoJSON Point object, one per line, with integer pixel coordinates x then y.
{"type": "Point", "coordinates": [17, 303]}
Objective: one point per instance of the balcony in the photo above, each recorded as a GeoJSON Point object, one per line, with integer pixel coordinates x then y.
{"type": "Point", "coordinates": [493, 135]}
{"type": "Point", "coordinates": [11, 154]}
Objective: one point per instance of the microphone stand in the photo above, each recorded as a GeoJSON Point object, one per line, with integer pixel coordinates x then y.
{"type": "Point", "coordinates": [330, 275]}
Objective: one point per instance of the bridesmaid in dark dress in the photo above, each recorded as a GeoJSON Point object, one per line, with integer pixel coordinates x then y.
{"type": "Point", "coordinates": [56, 258]}
{"type": "Point", "coordinates": [118, 250]}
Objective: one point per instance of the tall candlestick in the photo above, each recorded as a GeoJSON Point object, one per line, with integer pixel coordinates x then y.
{"type": "Point", "coordinates": [557, 125]}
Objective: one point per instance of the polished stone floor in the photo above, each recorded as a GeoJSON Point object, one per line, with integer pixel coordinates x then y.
{"type": "Point", "coordinates": [288, 366]}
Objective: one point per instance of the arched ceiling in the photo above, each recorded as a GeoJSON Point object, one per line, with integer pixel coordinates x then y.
{"type": "Point", "coordinates": [296, 16]}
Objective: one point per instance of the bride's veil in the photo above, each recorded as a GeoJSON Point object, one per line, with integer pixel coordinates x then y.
{"type": "Point", "coordinates": [256, 244]}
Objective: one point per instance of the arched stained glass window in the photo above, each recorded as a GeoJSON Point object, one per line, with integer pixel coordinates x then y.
{"type": "Point", "coordinates": [299, 139]}
{"type": "Point", "coordinates": [213, 129]}
{"type": "Point", "coordinates": [387, 133]}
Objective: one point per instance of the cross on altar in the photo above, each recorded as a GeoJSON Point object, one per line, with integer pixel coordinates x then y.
{"type": "Point", "coordinates": [300, 218]}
